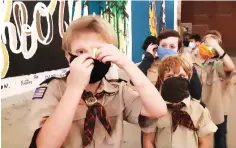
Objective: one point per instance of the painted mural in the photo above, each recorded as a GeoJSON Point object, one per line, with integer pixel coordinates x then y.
{"type": "Point", "coordinates": [149, 18]}
{"type": "Point", "coordinates": [31, 33]}
{"type": "Point", "coordinates": [29, 30]}
{"type": "Point", "coordinates": [153, 18]}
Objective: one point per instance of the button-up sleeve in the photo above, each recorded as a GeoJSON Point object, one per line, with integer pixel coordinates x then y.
{"type": "Point", "coordinates": [133, 106]}
{"type": "Point", "coordinates": [206, 125]}
{"type": "Point", "coordinates": [42, 107]}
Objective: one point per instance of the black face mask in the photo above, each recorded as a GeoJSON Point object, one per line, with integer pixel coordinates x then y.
{"type": "Point", "coordinates": [175, 89]}
{"type": "Point", "coordinates": [186, 43]}
{"type": "Point", "coordinates": [99, 70]}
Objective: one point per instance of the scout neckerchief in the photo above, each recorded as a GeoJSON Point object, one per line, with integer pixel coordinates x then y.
{"type": "Point", "coordinates": [180, 117]}
{"type": "Point", "coordinates": [95, 109]}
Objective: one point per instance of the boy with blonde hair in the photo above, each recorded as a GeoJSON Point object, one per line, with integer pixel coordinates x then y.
{"type": "Point", "coordinates": [84, 109]}
{"type": "Point", "coordinates": [217, 74]}
{"type": "Point", "coordinates": [188, 123]}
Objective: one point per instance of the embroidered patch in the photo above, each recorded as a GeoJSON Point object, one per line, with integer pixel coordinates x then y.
{"type": "Point", "coordinates": [39, 92]}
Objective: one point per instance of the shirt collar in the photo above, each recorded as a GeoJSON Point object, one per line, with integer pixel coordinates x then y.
{"type": "Point", "coordinates": [108, 87]}
{"type": "Point", "coordinates": [186, 101]}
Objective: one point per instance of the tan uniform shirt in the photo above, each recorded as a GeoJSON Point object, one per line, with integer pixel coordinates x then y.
{"type": "Point", "coordinates": [217, 88]}
{"type": "Point", "coordinates": [182, 137]}
{"type": "Point", "coordinates": [152, 73]}
{"type": "Point", "coordinates": [124, 104]}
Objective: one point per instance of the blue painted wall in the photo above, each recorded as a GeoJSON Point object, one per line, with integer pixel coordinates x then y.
{"type": "Point", "coordinates": [140, 23]}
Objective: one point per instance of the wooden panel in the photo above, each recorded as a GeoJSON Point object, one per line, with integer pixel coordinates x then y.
{"type": "Point", "coordinates": [212, 15]}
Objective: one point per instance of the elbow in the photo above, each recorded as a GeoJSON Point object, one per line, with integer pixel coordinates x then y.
{"type": "Point", "coordinates": [232, 68]}
{"type": "Point", "coordinates": [162, 111]}
{"type": "Point", "coordinates": [229, 68]}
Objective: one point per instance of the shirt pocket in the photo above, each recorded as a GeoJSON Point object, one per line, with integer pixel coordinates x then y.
{"type": "Point", "coordinates": [114, 109]}
{"type": "Point", "coordinates": [213, 77]}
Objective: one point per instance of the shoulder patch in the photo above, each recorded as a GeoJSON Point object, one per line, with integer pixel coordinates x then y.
{"type": "Point", "coordinates": [203, 104]}
{"type": "Point", "coordinates": [49, 80]}
{"type": "Point", "coordinates": [39, 92]}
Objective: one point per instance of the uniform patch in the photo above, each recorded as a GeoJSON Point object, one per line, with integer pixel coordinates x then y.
{"type": "Point", "coordinates": [39, 92]}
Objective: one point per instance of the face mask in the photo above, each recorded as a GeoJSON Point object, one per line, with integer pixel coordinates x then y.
{"type": "Point", "coordinates": [206, 52]}
{"type": "Point", "coordinates": [186, 43]}
{"type": "Point", "coordinates": [175, 89]}
{"type": "Point", "coordinates": [191, 45]}
{"type": "Point", "coordinates": [163, 52]}
{"type": "Point", "coordinates": [99, 70]}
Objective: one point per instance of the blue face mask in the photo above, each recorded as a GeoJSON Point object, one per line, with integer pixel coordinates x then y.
{"type": "Point", "coordinates": [163, 52]}
{"type": "Point", "coordinates": [191, 45]}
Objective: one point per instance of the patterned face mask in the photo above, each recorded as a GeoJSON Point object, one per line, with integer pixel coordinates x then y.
{"type": "Point", "coordinates": [206, 52]}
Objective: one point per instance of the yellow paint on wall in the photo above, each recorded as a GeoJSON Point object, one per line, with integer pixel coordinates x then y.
{"type": "Point", "coordinates": [52, 6]}
{"type": "Point", "coordinates": [8, 11]}
{"type": "Point", "coordinates": [153, 21]}
{"type": "Point", "coordinates": [6, 60]}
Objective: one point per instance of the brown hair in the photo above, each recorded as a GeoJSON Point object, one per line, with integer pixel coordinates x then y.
{"type": "Point", "coordinates": [169, 33]}
{"type": "Point", "coordinates": [174, 63]}
{"type": "Point", "coordinates": [89, 23]}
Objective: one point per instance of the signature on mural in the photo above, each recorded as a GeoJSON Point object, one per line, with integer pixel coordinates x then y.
{"type": "Point", "coordinates": [113, 11]}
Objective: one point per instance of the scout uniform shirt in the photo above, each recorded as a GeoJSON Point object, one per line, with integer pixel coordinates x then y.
{"type": "Point", "coordinates": [218, 87]}
{"type": "Point", "coordinates": [121, 102]}
{"type": "Point", "coordinates": [152, 73]}
{"type": "Point", "coordinates": [182, 137]}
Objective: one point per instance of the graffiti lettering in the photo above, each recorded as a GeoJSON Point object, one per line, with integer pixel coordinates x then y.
{"type": "Point", "coordinates": [20, 30]}
{"type": "Point", "coordinates": [49, 76]}
{"type": "Point", "coordinates": [26, 82]}
{"type": "Point", "coordinates": [4, 86]}
{"type": "Point", "coordinates": [23, 29]}
{"type": "Point", "coordinates": [36, 77]}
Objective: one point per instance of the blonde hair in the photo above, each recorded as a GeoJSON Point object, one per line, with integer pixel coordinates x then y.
{"type": "Point", "coordinates": [214, 34]}
{"type": "Point", "coordinates": [174, 63]}
{"type": "Point", "coordinates": [89, 23]}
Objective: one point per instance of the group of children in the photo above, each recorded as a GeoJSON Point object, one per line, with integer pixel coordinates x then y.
{"type": "Point", "coordinates": [84, 109]}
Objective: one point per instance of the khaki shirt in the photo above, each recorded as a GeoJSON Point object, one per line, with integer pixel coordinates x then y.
{"type": "Point", "coordinates": [182, 137]}
{"type": "Point", "coordinates": [124, 104]}
{"type": "Point", "coordinates": [152, 73]}
{"type": "Point", "coordinates": [217, 88]}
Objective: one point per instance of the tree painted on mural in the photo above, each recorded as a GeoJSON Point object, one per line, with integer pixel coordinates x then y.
{"type": "Point", "coordinates": [116, 14]}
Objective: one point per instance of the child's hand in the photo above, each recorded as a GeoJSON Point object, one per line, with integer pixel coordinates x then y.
{"type": "Point", "coordinates": [110, 53]}
{"type": "Point", "coordinates": [80, 71]}
{"type": "Point", "coordinates": [152, 48]}
{"type": "Point", "coordinates": [211, 41]}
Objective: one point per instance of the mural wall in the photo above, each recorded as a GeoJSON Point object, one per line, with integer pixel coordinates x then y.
{"type": "Point", "coordinates": [147, 19]}
{"type": "Point", "coordinates": [31, 32]}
